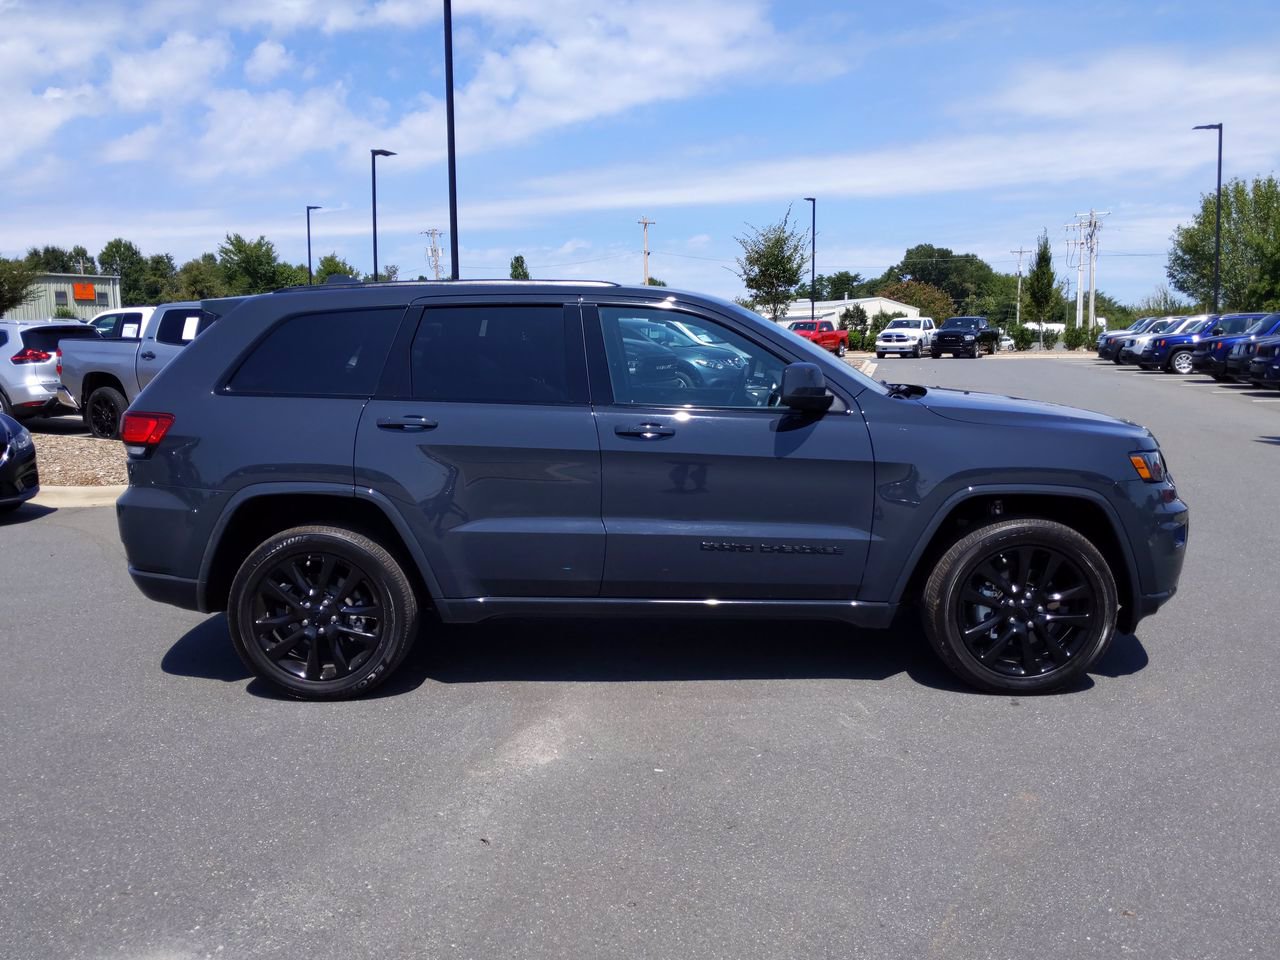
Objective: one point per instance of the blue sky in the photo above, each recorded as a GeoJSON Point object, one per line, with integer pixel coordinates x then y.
{"type": "Point", "coordinates": [967, 125]}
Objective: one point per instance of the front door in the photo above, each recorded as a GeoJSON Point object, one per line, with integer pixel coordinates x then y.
{"type": "Point", "coordinates": [490, 453]}
{"type": "Point", "coordinates": [710, 490]}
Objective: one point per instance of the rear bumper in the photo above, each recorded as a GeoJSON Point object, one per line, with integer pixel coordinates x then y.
{"type": "Point", "coordinates": [65, 398]}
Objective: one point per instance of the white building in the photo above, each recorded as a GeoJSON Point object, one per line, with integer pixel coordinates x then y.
{"type": "Point", "coordinates": [85, 294]}
{"type": "Point", "coordinates": [831, 309]}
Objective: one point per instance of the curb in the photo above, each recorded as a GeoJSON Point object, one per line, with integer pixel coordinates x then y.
{"type": "Point", "coordinates": [65, 497]}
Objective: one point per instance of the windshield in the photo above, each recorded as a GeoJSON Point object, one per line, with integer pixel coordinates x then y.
{"type": "Point", "coordinates": [1204, 326]}
{"type": "Point", "coordinates": [900, 323]}
{"type": "Point", "coordinates": [1259, 324]}
{"type": "Point", "coordinates": [1160, 326]}
{"type": "Point", "coordinates": [962, 323]}
{"type": "Point", "coordinates": [1185, 326]}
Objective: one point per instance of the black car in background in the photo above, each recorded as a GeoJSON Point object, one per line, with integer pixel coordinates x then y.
{"type": "Point", "coordinates": [965, 337]}
{"type": "Point", "coordinates": [19, 480]}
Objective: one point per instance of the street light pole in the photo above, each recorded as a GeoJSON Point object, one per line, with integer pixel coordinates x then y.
{"type": "Point", "coordinates": [373, 179]}
{"type": "Point", "coordinates": [813, 254]}
{"type": "Point", "coordinates": [309, 209]}
{"type": "Point", "coordinates": [1217, 217]}
{"type": "Point", "coordinates": [453, 163]}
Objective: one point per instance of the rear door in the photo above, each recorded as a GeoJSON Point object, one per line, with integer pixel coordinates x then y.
{"type": "Point", "coordinates": [716, 493]}
{"type": "Point", "coordinates": [170, 330]}
{"type": "Point", "coordinates": [485, 441]}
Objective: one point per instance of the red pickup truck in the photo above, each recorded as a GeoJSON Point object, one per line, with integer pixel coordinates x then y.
{"type": "Point", "coordinates": [823, 333]}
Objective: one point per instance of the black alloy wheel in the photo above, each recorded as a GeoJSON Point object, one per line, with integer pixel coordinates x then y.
{"type": "Point", "coordinates": [322, 612]}
{"type": "Point", "coordinates": [1021, 606]}
{"type": "Point", "coordinates": [103, 411]}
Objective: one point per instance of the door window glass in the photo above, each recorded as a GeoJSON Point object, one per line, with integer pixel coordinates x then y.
{"type": "Point", "coordinates": [675, 359]}
{"type": "Point", "coordinates": [180, 326]}
{"type": "Point", "coordinates": [497, 354]}
{"type": "Point", "coordinates": [339, 354]}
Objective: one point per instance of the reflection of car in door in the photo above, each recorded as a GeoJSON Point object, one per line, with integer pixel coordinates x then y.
{"type": "Point", "coordinates": [700, 364]}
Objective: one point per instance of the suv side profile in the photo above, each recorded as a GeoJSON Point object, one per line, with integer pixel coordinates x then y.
{"type": "Point", "coordinates": [327, 464]}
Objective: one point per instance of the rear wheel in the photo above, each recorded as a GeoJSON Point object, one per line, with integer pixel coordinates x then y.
{"type": "Point", "coordinates": [103, 411]}
{"type": "Point", "coordinates": [1021, 606]}
{"type": "Point", "coordinates": [323, 613]}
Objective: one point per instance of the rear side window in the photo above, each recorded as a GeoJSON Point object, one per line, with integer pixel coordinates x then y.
{"type": "Point", "coordinates": [498, 354]}
{"type": "Point", "coordinates": [183, 325]}
{"type": "Point", "coordinates": [339, 354]}
{"type": "Point", "coordinates": [46, 338]}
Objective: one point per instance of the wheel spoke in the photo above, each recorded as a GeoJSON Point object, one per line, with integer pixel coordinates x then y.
{"type": "Point", "coordinates": [282, 594]}
{"type": "Point", "coordinates": [970, 595]}
{"type": "Point", "coordinates": [313, 659]}
{"type": "Point", "coordinates": [299, 580]}
{"type": "Point", "coordinates": [1069, 617]}
{"type": "Point", "coordinates": [1002, 641]}
{"type": "Point", "coordinates": [1029, 653]}
{"type": "Point", "coordinates": [348, 584]}
{"type": "Point", "coordinates": [358, 634]}
{"type": "Point", "coordinates": [1056, 650]}
{"type": "Point", "coordinates": [1070, 593]}
{"type": "Point", "coordinates": [273, 622]}
{"type": "Point", "coordinates": [1050, 571]}
{"type": "Point", "coordinates": [994, 576]}
{"type": "Point", "coordinates": [362, 611]}
{"type": "Point", "coordinates": [985, 627]}
{"type": "Point", "coordinates": [1023, 572]}
{"type": "Point", "coordinates": [326, 572]}
{"type": "Point", "coordinates": [286, 645]}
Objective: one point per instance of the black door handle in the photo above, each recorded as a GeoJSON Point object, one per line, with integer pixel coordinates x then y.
{"type": "Point", "coordinates": [645, 431]}
{"type": "Point", "coordinates": [147, 355]}
{"type": "Point", "coordinates": [410, 423]}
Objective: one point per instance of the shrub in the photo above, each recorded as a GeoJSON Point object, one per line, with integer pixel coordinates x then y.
{"type": "Point", "coordinates": [1076, 337]}
{"type": "Point", "coordinates": [1023, 337]}
{"type": "Point", "coordinates": [1050, 339]}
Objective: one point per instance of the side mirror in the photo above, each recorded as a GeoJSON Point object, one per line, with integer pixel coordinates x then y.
{"type": "Point", "coordinates": [805, 388]}
{"type": "Point", "coordinates": [1217, 332]}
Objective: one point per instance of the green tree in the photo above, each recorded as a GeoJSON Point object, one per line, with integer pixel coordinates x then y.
{"type": "Point", "coordinates": [332, 265]}
{"type": "Point", "coordinates": [50, 259]}
{"type": "Point", "coordinates": [1250, 248]}
{"type": "Point", "coordinates": [655, 282]}
{"type": "Point", "coordinates": [199, 279]}
{"type": "Point", "coordinates": [1159, 303]}
{"type": "Point", "coordinates": [389, 272]}
{"type": "Point", "coordinates": [17, 284]}
{"type": "Point", "coordinates": [291, 275]}
{"type": "Point", "coordinates": [82, 260]}
{"type": "Point", "coordinates": [519, 271]}
{"type": "Point", "coordinates": [960, 275]}
{"type": "Point", "coordinates": [157, 278]}
{"type": "Point", "coordinates": [1040, 287]}
{"type": "Point", "coordinates": [772, 263]}
{"type": "Point", "coordinates": [932, 301]}
{"type": "Point", "coordinates": [250, 266]}
{"type": "Point", "coordinates": [123, 259]}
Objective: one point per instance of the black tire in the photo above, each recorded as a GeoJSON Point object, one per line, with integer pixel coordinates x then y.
{"type": "Point", "coordinates": [1015, 564]}
{"type": "Point", "coordinates": [879, 354]}
{"type": "Point", "coordinates": [936, 354]}
{"type": "Point", "coordinates": [841, 349]}
{"type": "Point", "coordinates": [5, 406]}
{"type": "Point", "coordinates": [274, 601]}
{"type": "Point", "coordinates": [977, 352]}
{"type": "Point", "coordinates": [102, 412]}
{"type": "Point", "coordinates": [915, 352]}
{"type": "Point", "coordinates": [684, 381]}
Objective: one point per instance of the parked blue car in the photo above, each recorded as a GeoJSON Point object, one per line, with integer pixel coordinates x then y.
{"type": "Point", "coordinates": [1211, 356]}
{"type": "Point", "coordinates": [1264, 368]}
{"type": "Point", "coordinates": [1109, 343]}
{"type": "Point", "coordinates": [1174, 353]}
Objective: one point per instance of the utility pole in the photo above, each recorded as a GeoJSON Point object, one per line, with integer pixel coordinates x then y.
{"type": "Point", "coordinates": [453, 158]}
{"type": "Point", "coordinates": [1018, 307]}
{"type": "Point", "coordinates": [813, 257]}
{"type": "Point", "coordinates": [433, 251]}
{"type": "Point", "coordinates": [646, 223]}
{"type": "Point", "coordinates": [1090, 225]}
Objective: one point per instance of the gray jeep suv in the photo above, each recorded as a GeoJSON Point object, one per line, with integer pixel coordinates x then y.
{"type": "Point", "coordinates": [329, 463]}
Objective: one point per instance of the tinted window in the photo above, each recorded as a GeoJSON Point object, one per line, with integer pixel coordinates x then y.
{"type": "Point", "coordinates": [724, 370]}
{"type": "Point", "coordinates": [337, 354]}
{"type": "Point", "coordinates": [501, 354]}
{"type": "Point", "coordinates": [181, 326]}
{"type": "Point", "coordinates": [46, 338]}
{"type": "Point", "coordinates": [963, 323]}
{"type": "Point", "coordinates": [60, 298]}
{"type": "Point", "coordinates": [103, 299]}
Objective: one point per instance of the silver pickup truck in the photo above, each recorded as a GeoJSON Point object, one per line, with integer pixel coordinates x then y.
{"type": "Point", "coordinates": [101, 377]}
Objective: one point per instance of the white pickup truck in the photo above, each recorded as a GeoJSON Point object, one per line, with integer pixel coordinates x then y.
{"type": "Point", "coordinates": [101, 377]}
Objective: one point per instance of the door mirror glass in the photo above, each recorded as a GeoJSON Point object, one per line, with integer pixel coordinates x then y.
{"type": "Point", "coordinates": [805, 388]}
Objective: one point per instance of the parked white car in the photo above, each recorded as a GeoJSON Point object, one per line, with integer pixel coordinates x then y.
{"type": "Point", "coordinates": [905, 336]}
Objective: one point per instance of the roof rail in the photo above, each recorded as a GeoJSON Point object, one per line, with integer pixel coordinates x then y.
{"type": "Point", "coordinates": [339, 281]}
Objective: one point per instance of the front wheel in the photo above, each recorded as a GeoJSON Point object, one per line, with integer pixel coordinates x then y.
{"type": "Point", "coordinates": [323, 613]}
{"type": "Point", "coordinates": [879, 354]}
{"type": "Point", "coordinates": [977, 352]}
{"type": "Point", "coordinates": [840, 349]}
{"type": "Point", "coordinates": [915, 352]}
{"type": "Point", "coordinates": [1180, 363]}
{"type": "Point", "coordinates": [1021, 606]}
{"type": "Point", "coordinates": [936, 354]}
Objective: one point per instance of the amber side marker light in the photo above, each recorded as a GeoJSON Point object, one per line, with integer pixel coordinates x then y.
{"type": "Point", "coordinates": [1149, 465]}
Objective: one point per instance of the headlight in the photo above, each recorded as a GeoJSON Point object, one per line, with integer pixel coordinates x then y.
{"type": "Point", "coordinates": [1149, 465]}
{"type": "Point", "coordinates": [21, 441]}
{"type": "Point", "coordinates": [970, 336]}
{"type": "Point", "coordinates": [709, 364]}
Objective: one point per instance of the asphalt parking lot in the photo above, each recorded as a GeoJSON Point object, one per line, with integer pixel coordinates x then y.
{"type": "Point", "coordinates": [604, 790]}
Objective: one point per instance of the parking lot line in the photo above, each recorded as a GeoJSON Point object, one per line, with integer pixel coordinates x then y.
{"type": "Point", "coordinates": [1267, 400]}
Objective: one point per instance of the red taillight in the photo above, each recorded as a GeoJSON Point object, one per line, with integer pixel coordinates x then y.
{"type": "Point", "coordinates": [58, 354]}
{"type": "Point", "coordinates": [30, 355]}
{"type": "Point", "coordinates": [144, 429]}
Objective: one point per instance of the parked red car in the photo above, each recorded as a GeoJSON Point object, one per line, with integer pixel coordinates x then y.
{"type": "Point", "coordinates": [823, 333]}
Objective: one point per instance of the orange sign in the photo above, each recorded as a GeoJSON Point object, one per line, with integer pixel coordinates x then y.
{"type": "Point", "coordinates": [84, 291]}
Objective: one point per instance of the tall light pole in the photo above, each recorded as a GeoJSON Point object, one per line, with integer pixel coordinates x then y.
{"type": "Point", "coordinates": [373, 177]}
{"type": "Point", "coordinates": [1217, 216]}
{"type": "Point", "coordinates": [309, 209]}
{"type": "Point", "coordinates": [453, 164]}
{"type": "Point", "coordinates": [813, 254]}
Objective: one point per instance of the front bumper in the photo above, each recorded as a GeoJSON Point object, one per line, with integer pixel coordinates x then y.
{"type": "Point", "coordinates": [899, 346]}
{"type": "Point", "coordinates": [1237, 368]}
{"type": "Point", "coordinates": [19, 478]}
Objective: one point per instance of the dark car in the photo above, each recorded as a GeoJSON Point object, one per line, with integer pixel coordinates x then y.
{"type": "Point", "coordinates": [965, 337]}
{"type": "Point", "coordinates": [487, 451]}
{"type": "Point", "coordinates": [1241, 353]}
{"type": "Point", "coordinates": [1174, 353]}
{"type": "Point", "coordinates": [701, 364]}
{"type": "Point", "coordinates": [1264, 368]}
{"type": "Point", "coordinates": [1110, 341]}
{"type": "Point", "coordinates": [1211, 355]}
{"type": "Point", "coordinates": [19, 478]}
{"type": "Point", "coordinates": [1131, 345]}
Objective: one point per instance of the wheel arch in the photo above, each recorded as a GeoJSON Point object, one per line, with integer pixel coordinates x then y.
{"type": "Point", "coordinates": [1082, 510]}
{"type": "Point", "coordinates": [92, 381]}
{"type": "Point", "coordinates": [260, 511]}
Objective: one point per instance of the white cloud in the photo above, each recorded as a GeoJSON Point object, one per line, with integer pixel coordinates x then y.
{"type": "Point", "coordinates": [133, 146]}
{"type": "Point", "coordinates": [29, 119]}
{"type": "Point", "coordinates": [268, 60]}
{"type": "Point", "coordinates": [176, 71]}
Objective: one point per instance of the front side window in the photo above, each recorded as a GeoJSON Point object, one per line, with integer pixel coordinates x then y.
{"type": "Point", "coordinates": [497, 354]}
{"type": "Point", "coordinates": [652, 361]}
{"type": "Point", "coordinates": [338, 354]}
